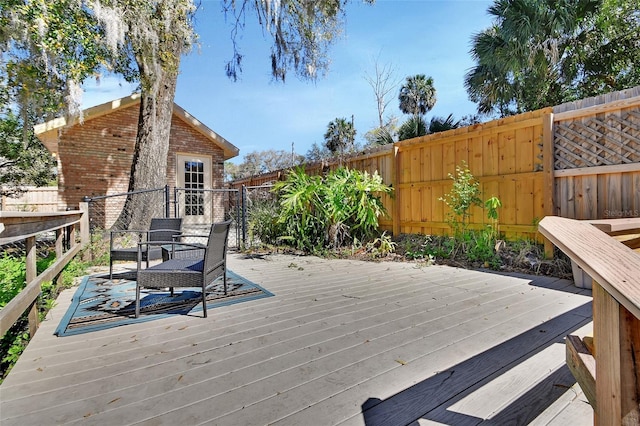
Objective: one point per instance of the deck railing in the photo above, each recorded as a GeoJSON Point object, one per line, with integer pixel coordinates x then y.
{"type": "Point", "coordinates": [608, 370]}
{"type": "Point", "coordinates": [19, 226]}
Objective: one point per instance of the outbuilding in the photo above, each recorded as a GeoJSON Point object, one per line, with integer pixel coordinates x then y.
{"type": "Point", "coordinates": [94, 156]}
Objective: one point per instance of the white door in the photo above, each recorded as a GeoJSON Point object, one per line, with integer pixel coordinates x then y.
{"type": "Point", "coordinates": [194, 175]}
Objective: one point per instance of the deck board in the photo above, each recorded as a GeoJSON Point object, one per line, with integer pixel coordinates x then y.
{"type": "Point", "coordinates": [341, 342]}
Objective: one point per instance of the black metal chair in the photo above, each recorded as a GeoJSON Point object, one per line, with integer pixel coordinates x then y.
{"type": "Point", "coordinates": [189, 272]}
{"type": "Point", "coordinates": [160, 229]}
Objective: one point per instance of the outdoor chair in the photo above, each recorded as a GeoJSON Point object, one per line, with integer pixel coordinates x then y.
{"type": "Point", "coordinates": [189, 272]}
{"type": "Point", "coordinates": [161, 229]}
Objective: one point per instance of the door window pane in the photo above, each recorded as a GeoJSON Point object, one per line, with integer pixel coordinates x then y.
{"type": "Point", "coordinates": [194, 186]}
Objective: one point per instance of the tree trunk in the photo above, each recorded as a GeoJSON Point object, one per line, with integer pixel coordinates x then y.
{"type": "Point", "coordinates": [149, 166]}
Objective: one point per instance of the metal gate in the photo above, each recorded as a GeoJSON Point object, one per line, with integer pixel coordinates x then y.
{"type": "Point", "coordinates": [199, 208]}
{"type": "Point", "coordinates": [253, 196]}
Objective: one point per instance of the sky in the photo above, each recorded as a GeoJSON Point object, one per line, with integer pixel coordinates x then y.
{"type": "Point", "coordinates": [255, 113]}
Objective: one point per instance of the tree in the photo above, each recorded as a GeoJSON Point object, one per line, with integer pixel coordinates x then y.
{"type": "Point", "coordinates": [382, 83]}
{"type": "Point", "coordinates": [540, 53]}
{"type": "Point", "coordinates": [383, 135]}
{"type": "Point", "coordinates": [417, 95]}
{"type": "Point", "coordinates": [340, 136]}
{"type": "Point", "coordinates": [23, 160]}
{"type": "Point", "coordinates": [441, 124]}
{"type": "Point", "coordinates": [48, 49]}
{"type": "Point", "coordinates": [153, 36]}
{"type": "Point", "coordinates": [318, 153]}
{"type": "Point", "coordinates": [258, 162]}
{"type": "Point", "coordinates": [414, 127]}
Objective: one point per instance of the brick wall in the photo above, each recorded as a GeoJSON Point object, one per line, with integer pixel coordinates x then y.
{"type": "Point", "coordinates": [94, 158]}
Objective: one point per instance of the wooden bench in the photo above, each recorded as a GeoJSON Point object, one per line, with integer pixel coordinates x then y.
{"type": "Point", "coordinates": [606, 368]}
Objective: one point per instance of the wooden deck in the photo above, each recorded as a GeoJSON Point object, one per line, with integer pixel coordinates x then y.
{"type": "Point", "coordinates": [342, 342]}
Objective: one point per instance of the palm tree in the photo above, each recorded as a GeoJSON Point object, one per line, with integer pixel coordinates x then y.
{"type": "Point", "coordinates": [414, 127]}
{"type": "Point", "coordinates": [340, 136]}
{"type": "Point", "coordinates": [441, 124]}
{"type": "Point", "coordinates": [522, 59]}
{"type": "Point", "coordinates": [417, 95]}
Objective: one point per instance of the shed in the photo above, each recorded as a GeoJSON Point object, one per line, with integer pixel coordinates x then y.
{"type": "Point", "coordinates": [94, 157]}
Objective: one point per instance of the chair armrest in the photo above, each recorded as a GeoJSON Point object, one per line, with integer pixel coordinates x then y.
{"type": "Point", "coordinates": [176, 232]}
{"type": "Point", "coordinates": [194, 235]}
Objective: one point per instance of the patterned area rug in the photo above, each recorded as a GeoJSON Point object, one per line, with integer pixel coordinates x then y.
{"type": "Point", "coordinates": [100, 303]}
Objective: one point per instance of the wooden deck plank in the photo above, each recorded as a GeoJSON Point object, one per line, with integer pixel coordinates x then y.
{"type": "Point", "coordinates": [432, 377]}
{"type": "Point", "coordinates": [337, 331]}
{"type": "Point", "coordinates": [129, 356]}
{"type": "Point", "coordinates": [319, 379]}
{"type": "Point", "coordinates": [142, 372]}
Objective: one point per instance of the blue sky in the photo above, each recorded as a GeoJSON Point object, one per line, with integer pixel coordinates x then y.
{"type": "Point", "coordinates": [255, 114]}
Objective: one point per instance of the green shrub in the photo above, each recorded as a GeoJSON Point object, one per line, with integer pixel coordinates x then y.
{"type": "Point", "coordinates": [317, 213]}
{"type": "Point", "coordinates": [12, 281]}
{"type": "Point", "coordinates": [465, 193]}
{"type": "Point", "coordinates": [12, 278]}
{"type": "Point", "coordinates": [263, 222]}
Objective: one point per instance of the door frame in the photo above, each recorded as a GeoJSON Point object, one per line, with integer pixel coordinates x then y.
{"type": "Point", "coordinates": [204, 201]}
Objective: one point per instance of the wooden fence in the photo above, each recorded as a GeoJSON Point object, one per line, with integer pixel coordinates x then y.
{"type": "Point", "coordinates": [18, 227]}
{"type": "Point", "coordinates": [578, 160]}
{"type": "Point", "coordinates": [597, 157]}
{"type": "Point", "coordinates": [34, 199]}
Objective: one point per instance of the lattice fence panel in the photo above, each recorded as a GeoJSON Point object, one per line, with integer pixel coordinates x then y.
{"type": "Point", "coordinates": [602, 140]}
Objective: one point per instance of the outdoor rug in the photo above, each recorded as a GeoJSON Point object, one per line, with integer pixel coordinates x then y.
{"type": "Point", "coordinates": [99, 303]}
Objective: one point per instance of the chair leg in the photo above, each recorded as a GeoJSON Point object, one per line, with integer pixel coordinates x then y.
{"type": "Point", "coordinates": [204, 301]}
{"type": "Point", "coordinates": [224, 280]}
{"type": "Point", "coordinates": [110, 268]}
{"type": "Point", "coordinates": [137, 300]}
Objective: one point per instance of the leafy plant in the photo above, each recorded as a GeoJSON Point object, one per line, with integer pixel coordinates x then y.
{"type": "Point", "coordinates": [381, 246]}
{"type": "Point", "coordinates": [263, 222]}
{"type": "Point", "coordinates": [12, 278]}
{"type": "Point", "coordinates": [12, 281]}
{"type": "Point", "coordinates": [329, 212]}
{"type": "Point", "coordinates": [301, 210]}
{"type": "Point", "coordinates": [464, 194]}
{"type": "Point", "coordinates": [492, 205]}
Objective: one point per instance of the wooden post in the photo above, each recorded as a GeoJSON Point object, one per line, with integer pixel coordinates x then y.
{"type": "Point", "coordinates": [59, 243]}
{"type": "Point", "coordinates": [395, 175]}
{"type": "Point", "coordinates": [31, 274]}
{"type": "Point", "coordinates": [616, 337]}
{"type": "Point", "coordinates": [85, 236]}
{"type": "Point", "coordinates": [549, 190]}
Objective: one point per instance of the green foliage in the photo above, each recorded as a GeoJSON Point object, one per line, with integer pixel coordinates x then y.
{"type": "Point", "coordinates": [440, 124]}
{"type": "Point", "coordinates": [464, 194]}
{"type": "Point", "coordinates": [381, 135]}
{"type": "Point", "coordinates": [475, 245]}
{"type": "Point", "coordinates": [539, 53]}
{"type": "Point", "coordinates": [340, 136]}
{"type": "Point", "coordinates": [301, 210]}
{"type": "Point", "coordinates": [12, 344]}
{"type": "Point", "coordinates": [417, 95]}
{"type": "Point", "coordinates": [258, 162]}
{"type": "Point", "coordinates": [98, 247]}
{"type": "Point", "coordinates": [12, 281]}
{"type": "Point", "coordinates": [491, 206]}
{"type": "Point", "coordinates": [12, 278]}
{"type": "Point", "coordinates": [331, 211]}
{"type": "Point", "coordinates": [381, 246]}
{"type": "Point", "coordinates": [263, 222]}
{"type": "Point", "coordinates": [479, 246]}
{"type": "Point", "coordinates": [23, 158]}
{"type": "Point", "coordinates": [414, 127]}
